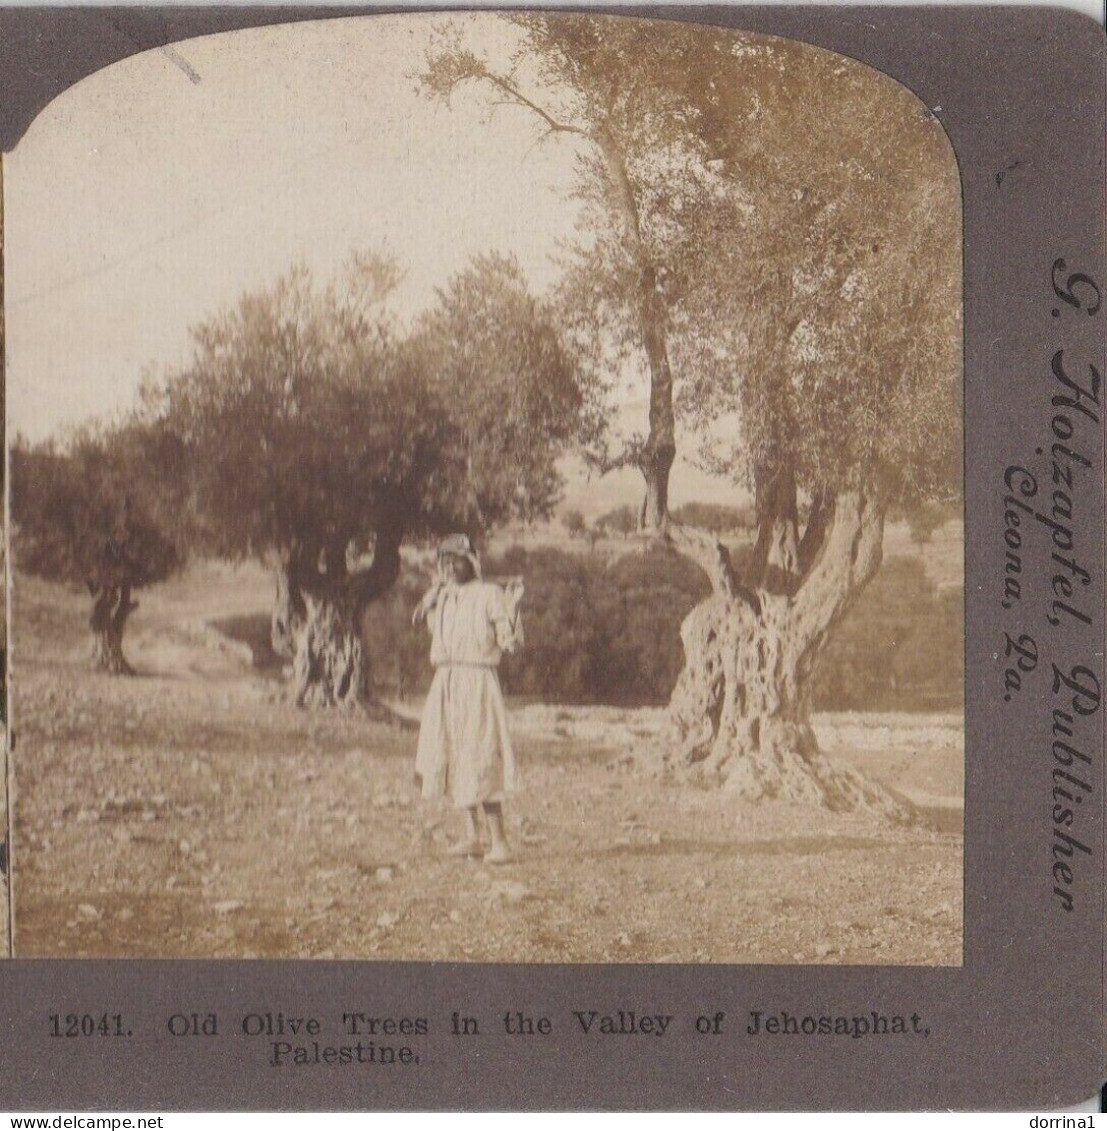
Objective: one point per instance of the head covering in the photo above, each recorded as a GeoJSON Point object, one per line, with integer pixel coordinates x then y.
{"type": "Point", "coordinates": [460, 546]}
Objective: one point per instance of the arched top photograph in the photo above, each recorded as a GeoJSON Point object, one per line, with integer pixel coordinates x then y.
{"type": "Point", "coordinates": [506, 467]}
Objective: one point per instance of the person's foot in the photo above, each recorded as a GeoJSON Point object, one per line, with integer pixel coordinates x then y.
{"type": "Point", "coordinates": [466, 848]}
{"type": "Point", "coordinates": [500, 854]}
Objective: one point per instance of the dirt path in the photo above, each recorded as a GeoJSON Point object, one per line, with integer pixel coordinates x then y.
{"type": "Point", "coordinates": [190, 812]}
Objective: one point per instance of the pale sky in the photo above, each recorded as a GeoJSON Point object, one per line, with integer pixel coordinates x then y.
{"type": "Point", "coordinates": [141, 201]}
{"type": "Point", "coordinates": [153, 193]}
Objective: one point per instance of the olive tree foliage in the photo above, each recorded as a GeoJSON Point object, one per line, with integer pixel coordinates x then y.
{"type": "Point", "coordinates": [322, 435]}
{"type": "Point", "coordinates": [825, 324]}
{"type": "Point", "coordinates": [517, 394]}
{"type": "Point", "coordinates": [103, 510]}
{"type": "Point", "coordinates": [776, 229]}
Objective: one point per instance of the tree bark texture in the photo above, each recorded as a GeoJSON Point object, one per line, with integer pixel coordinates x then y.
{"type": "Point", "coordinates": [111, 607]}
{"type": "Point", "coordinates": [330, 666]}
{"type": "Point", "coordinates": [655, 466]}
{"type": "Point", "coordinates": [289, 610]}
{"type": "Point", "coordinates": [776, 557]}
{"type": "Point", "coordinates": [740, 714]}
{"type": "Point", "coordinates": [317, 618]}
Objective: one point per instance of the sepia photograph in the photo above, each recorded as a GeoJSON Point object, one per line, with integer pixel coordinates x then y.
{"type": "Point", "coordinates": [486, 488]}
{"type": "Point", "coordinates": [5, 904]}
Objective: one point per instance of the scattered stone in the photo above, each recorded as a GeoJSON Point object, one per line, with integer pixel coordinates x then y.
{"type": "Point", "coordinates": [87, 911]}
{"type": "Point", "coordinates": [383, 875]}
{"type": "Point", "coordinates": [226, 906]}
{"type": "Point", "coordinates": [387, 919]}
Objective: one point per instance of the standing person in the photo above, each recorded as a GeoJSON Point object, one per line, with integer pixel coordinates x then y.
{"type": "Point", "coordinates": [464, 749]}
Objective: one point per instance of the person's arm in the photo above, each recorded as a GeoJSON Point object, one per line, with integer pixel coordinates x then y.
{"type": "Point", "coordinates": [508, 622]}
{"type": "Point", "coordinates": [427, 605]}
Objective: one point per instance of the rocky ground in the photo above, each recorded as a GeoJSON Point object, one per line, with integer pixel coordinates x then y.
{"type": "Point", "coordinates": [190, 812]}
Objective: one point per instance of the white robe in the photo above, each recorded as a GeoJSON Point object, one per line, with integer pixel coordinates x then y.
{"type": "Point", "coordinates": [465, 751]}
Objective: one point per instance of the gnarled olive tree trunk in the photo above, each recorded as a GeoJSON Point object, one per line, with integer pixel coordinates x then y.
{"type": "Point", "coordinates": [111, 606]}
{"type": "Point", "coordinates": [330, 667]}
{"type": "Point", "coordinates": [740, 714]}
{"type": "Point", "coordinates": [317, 618]}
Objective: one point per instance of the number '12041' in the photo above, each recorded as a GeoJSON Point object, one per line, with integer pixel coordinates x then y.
{"type": "Point", "coordinates": [87, 1025]}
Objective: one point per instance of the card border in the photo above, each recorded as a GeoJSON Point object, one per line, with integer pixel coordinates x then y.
{"type": "Point", "coordinates": [1013, 85]}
